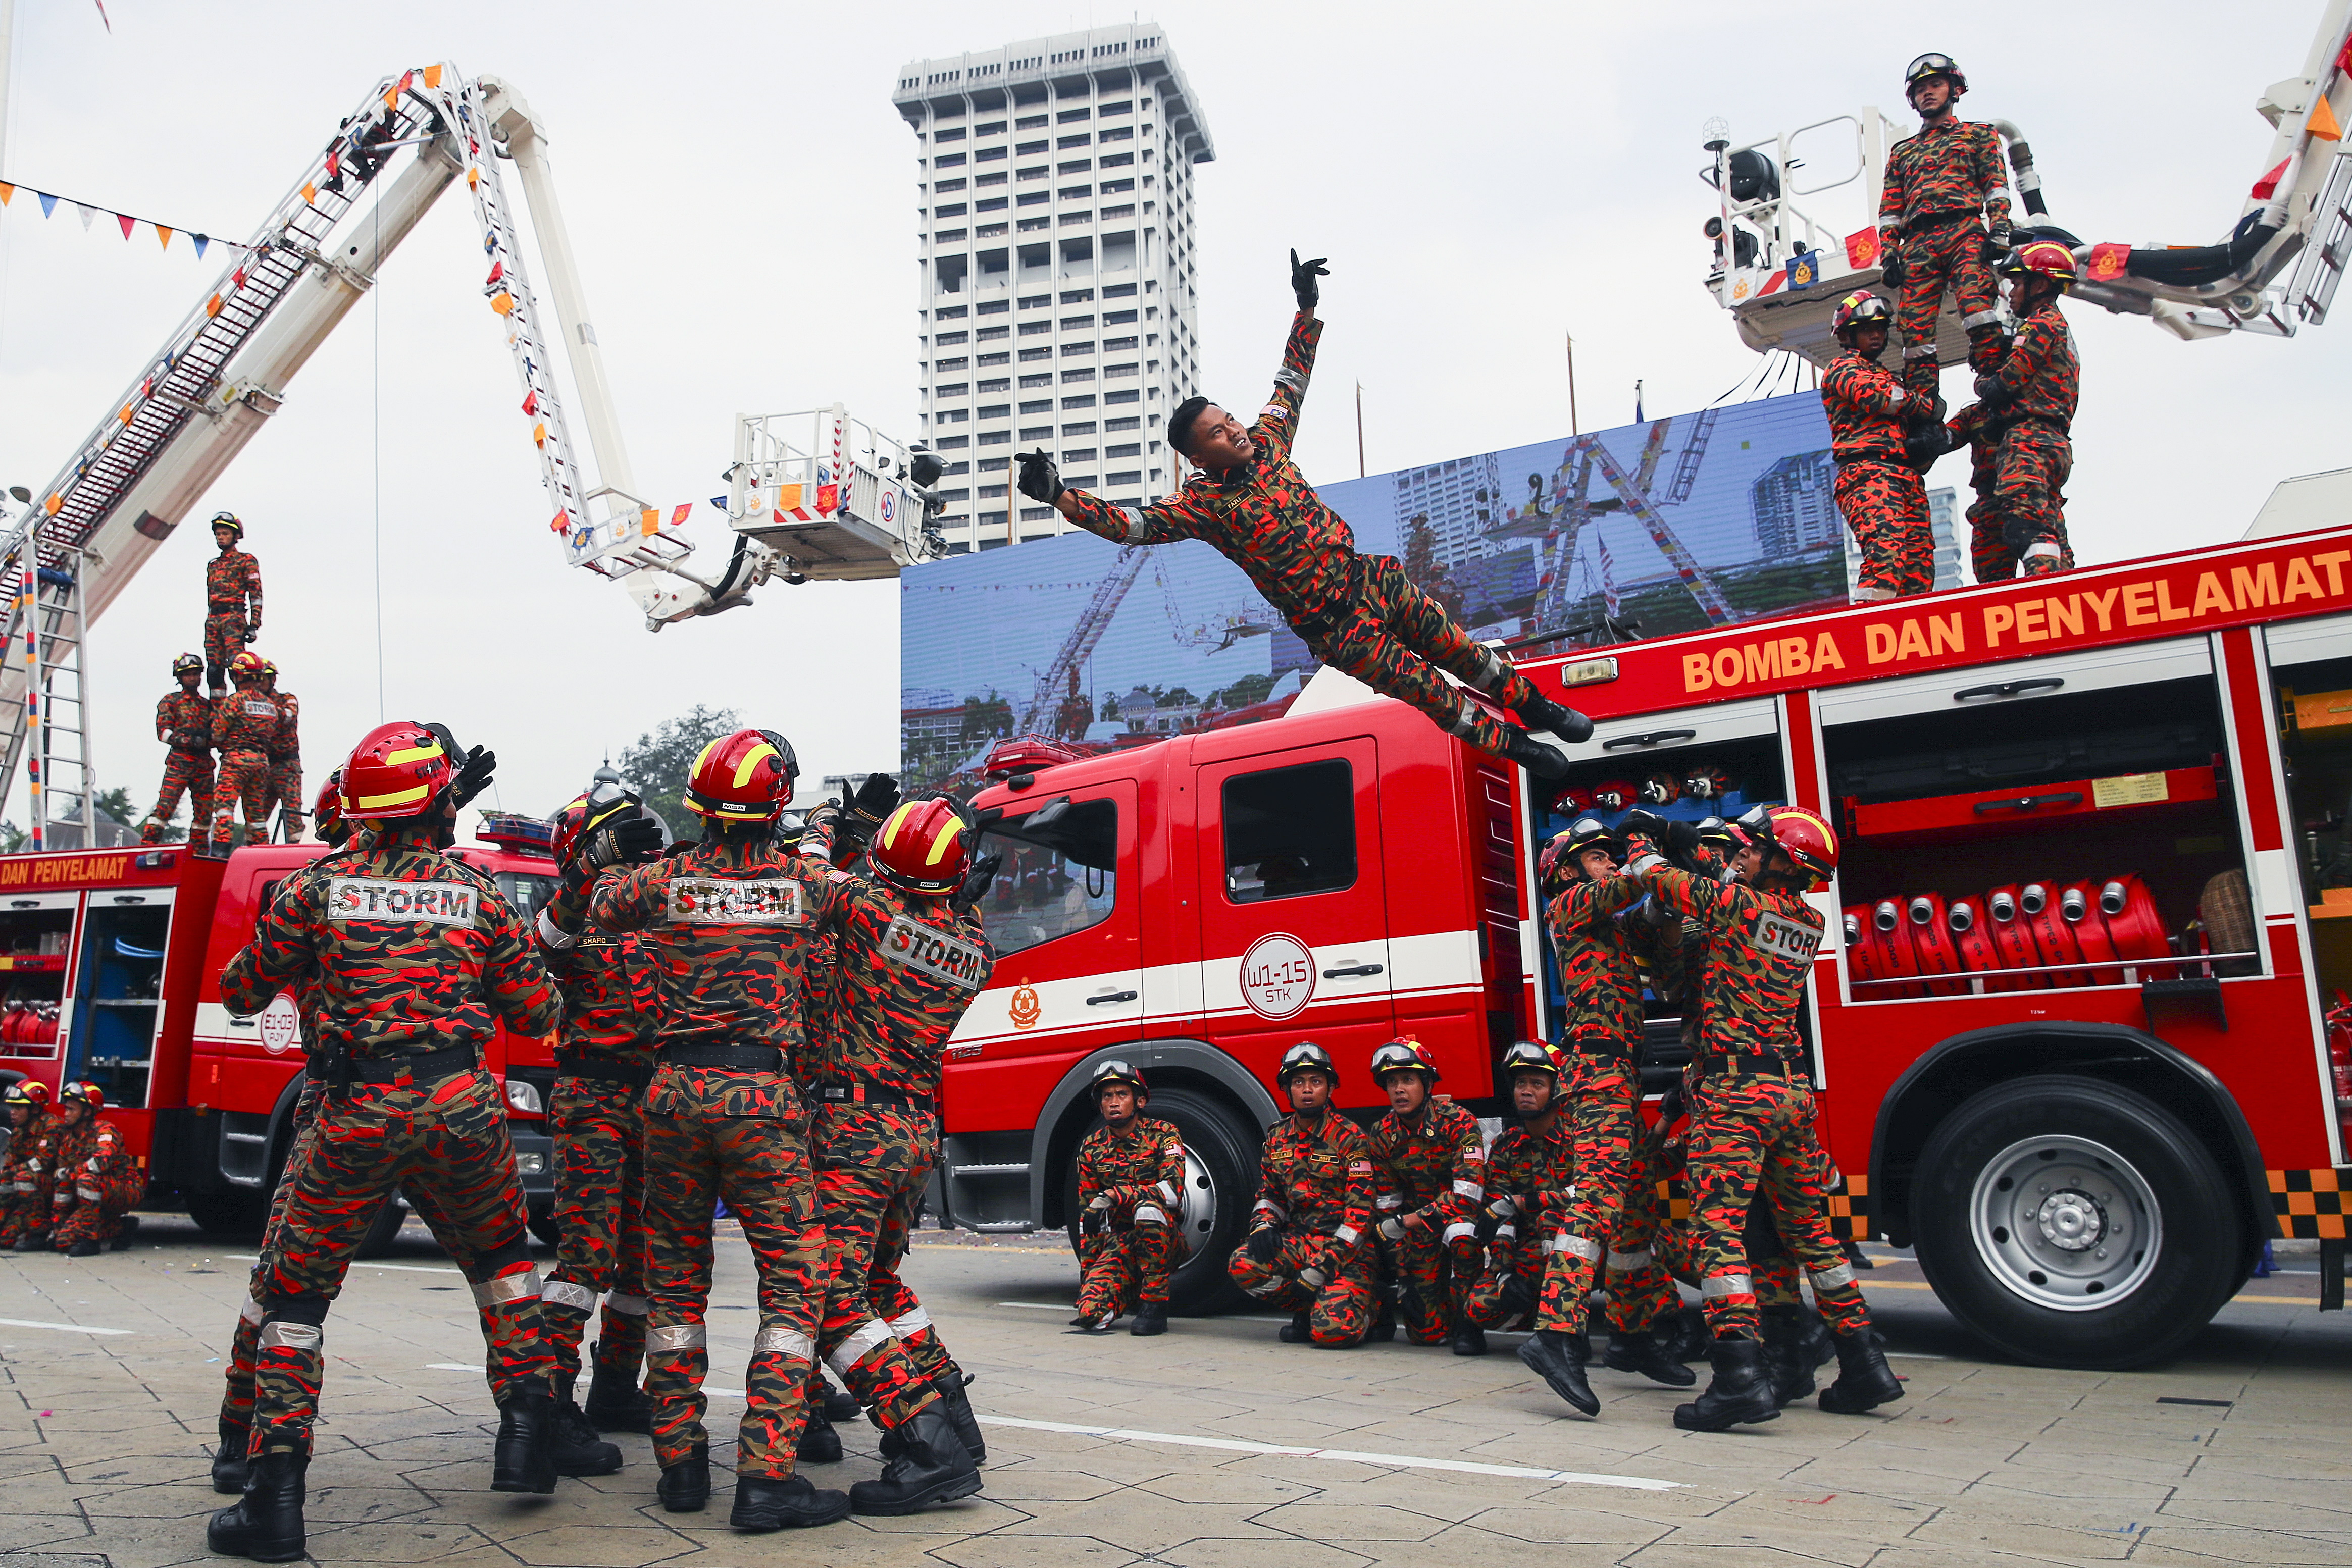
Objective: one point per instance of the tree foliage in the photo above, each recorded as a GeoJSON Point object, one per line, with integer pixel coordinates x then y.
{"type": "Point", "coordinates": [658, 765]}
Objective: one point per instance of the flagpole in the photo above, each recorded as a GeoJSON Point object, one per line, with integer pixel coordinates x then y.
{"type": "Point", "coordinates": [7, 37]}
{"type": "Point", "coordinates": [1359, 418]}
{"type": "Point", "coordinates": [1572, 427]}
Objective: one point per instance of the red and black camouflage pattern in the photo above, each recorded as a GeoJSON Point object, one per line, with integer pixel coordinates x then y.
{"type": "Point", "coordinates": [906, 966]}
{"type": "Point", "coordinates": [245, 726]}
{"type": "Point", "coordinates": [286, 757]}
{"type": "Point", "coordinates": [2041, 374]}
{"type": "Point", "coordinates": [1948, 257]}
{"type": "Point", "coordinates": [873, 1162]}
{"type": "Point", "coordinates": [1604, 1117]}
{"type": "Point", "coordinates": [1131, 1259]}
{"type": "Point", "coordinates": [183, 722]}
{"type": "Point", "coordinates": [1886, 505]}
{"type": "Point", "coordinates": [25, 1181]}
{"type": "Point", "coordinates": [96, 1181]}
{"type": "Point", "coordinates": [1759, 947]}
{"type": "Point", "coordinates": [1950, 166]}
{"type": "Point", "coordinates": [237, 1398]}
{"type": "Point", "coordinates": [1753, 1133]}
{"type": "Point", "coordinates": [232, 608]}
{"type": "Point", "coordinates": [1530, 1172]}
{"type": "Point", "coordinates": [1358, 613]}
{"type": "Point", "coordinates": [1317, 1184]}
{"type": "Point", "coordinates": [1600, 965]}
{"type": "Point", "coordinates": [1659, 1249]}
{"type": "Point", "coordinates": [1429, 1175]}
{"type": "Point", "coordinates": [1866, 405]}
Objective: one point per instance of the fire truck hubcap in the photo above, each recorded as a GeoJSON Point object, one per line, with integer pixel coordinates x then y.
{"type": "Point", "coordinates": [2065, 1223]}
{"type": "Point", "coordinates": [1199, 1203]}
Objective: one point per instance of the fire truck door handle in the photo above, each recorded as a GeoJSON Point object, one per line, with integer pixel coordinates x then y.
{"type": "Point", "coordinates": [1655, 738]}
{"type": "Point", "coordinates": [2028, 802]}
{"type": "Point", "coordinates": [1351, 969]}
{"type": "Point", "coordinates": [1101, 998]}
{"type": "Point", "coordinates": [240, 1023]}
{"type": "Point", "coordinates": [2009, 688]}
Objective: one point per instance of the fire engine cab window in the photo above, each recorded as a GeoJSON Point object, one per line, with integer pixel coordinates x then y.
{"type": "Point", "coordinates": [1056, 879]}
{"type": "Point", "coordinates": [527, 893]}
{"type": "Point", "coordinates": [1290, 832]}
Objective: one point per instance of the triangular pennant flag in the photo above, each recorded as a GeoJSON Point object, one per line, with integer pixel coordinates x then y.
{"type": "Point", "coordinates": [2323, 126]}
{"type": "Point", "coordinates": [127, 221]}
{"type": "Point", "coordinates": [163, 236]}
{"type": "Point", "coordinates": [202, 241]}
{"type": "Point", "coordinates": [6, 191]}
{"type": "Point", "coordinates": [48, 203]}
{"type": "Point", "coordinates": [2267, 186]}
{"type": "Point", "coordinates": [310, 193]}
{"type": "Point", "coordinates": [87, 214]}
{"type": "Point", "coordinates": [719, 502]}
{"type": "Point", "coordinates": [432, 76]}
{"type": "Point", "coordinates": [405, 78]}
{"type": "Point", "coordinates": [678, 517]}
{"type": "Point", "coordinates": [648, 521]}
{"type": "Point", "coordinates": [531, 401]}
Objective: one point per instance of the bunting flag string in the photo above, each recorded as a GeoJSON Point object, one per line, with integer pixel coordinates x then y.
{"type": "Point", "coordinates": [89, 213]}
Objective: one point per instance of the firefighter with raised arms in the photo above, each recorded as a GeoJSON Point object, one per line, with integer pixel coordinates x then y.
{"type": "Point", "coordinates": [1530, 1173]}
{"type": "Point", "coordinates": [184, 723]}
{"type": "Point", "coordinates": [2028, 398]}
{"type": "Point", "coordinates": [1359, 613]}
{"type": "Point", "coordinates": [416, 959]}
{"type": "Point", "coordinates": [1309, 1247]}
{"type": "Point", "coordinates": [1130, 1207]}
{"type": "Point", "coordinates": [1430, 1170]}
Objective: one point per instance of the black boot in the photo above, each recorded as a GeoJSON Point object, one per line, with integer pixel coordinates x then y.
{"type": "Point", "coordinates": [1556, 717]}
{"type": "Point", "coordinates": [266, 1524]}
{"type": "Point", "coordinates": [1469, 1339]}
{"type": "Point", "coordinates": [958, 1406]}
{"type": "Point", "coordinates": [1518, 1297]}
{"type": "Point", "coordinates": [685, 1487]}
{"type": "Point", "coordinates": [577, 1450]}
{"type": "Point", "coordinates": [1638, 1351]}
{"type": "Point", "coordinates": [763, 1502]}
{"type": "Point", "coordinates": [1559, 1356]}
{"type": "Point", "coordinates": [1787, 1360]}
{"type": "Point", "coordinates": [1820, 1343]}
{"type": "Point", "coordinates": [229, 1459]}
{"type": "Point", "coordinates": [523, 1458]}
{"type": "Point", "coordinates": [1864, 1381]}
{"type": "Point", "coordinates": [1544, 761]}
{"type": "Point", "coordinates": [840, 1404]}
{"type": "Point", "coordinates": [616, 1402]}
{"type": "Point", "coordinates": [1739, 1392]}
{"type": "Point", "coordinates": [82, 1249]}
{"type": "Point", "coordinates": [122, 1242]}
{"type": "Point", "coordinates": [1151, 1318]}
{"type": "Point", "coordinates": [1296, 1332]}
{"type": "Point", "coordinates": [928, 1464]}
{"type": "Point", "coordinates": [1384, 1321]}
{"type": "Point", "coordinates": [820, 1444]}
{"type": "Point", "coordinates": [1685, 1337]}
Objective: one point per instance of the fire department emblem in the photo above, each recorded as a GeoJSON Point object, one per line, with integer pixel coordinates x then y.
{"type": "Point", "coordinates": [1278, 975]}
{"type": "Point", "coordinates": [281, 1025]}
{"type": "Point", "coordinates": [1025, 1009]}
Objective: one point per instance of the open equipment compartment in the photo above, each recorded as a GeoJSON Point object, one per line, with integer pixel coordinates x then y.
{"type": "Point", "coordinates": [35, 939]}
{"type": "Point", "coordinates": [117, 990]}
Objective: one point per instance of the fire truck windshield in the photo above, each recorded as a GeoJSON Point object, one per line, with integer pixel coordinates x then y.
{"type": "Point", "coordinates": [526, 893]}
{"type": "Point", "coordinates": [1060, 879]}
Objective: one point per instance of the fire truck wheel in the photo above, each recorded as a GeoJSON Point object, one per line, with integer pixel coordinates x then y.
{"type": "Point", "coordinates": [1220, 1150]}
{"type": "Point", "coordinates": [2071, 1222]}
{"type": "Point", "coordinates": [227, 1213]}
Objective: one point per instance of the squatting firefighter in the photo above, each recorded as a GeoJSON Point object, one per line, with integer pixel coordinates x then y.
{"type": "Point", "coordinates": [245, 726]}
{"type": "Point", "coordinates": [1878, 488]}
{"type": "Point", "coordinates": [1753, 1112]}
{"type": "Point", "coordinates": [24, 1183]}
{"type": "Point", "coordinates": [1429, 1168]}
{"type": "Point", "coordinates": [603, 1065]}
{"type": "Point", "coordinates": [730, 920]}
{"type": "Point", "coordinates": [2031, 396]}
{"type": "Point", "coordinates": [232, 599]}
{"type": "Point", "coordinates": [1595, 937]}
{"type": "Point", "coordinates": [1530, 1172]}
{"type": "Point", "coordinates": [416, 959]}
{"type": "Point", "coordinates": [1131, 1208]}
{"type": "Point", "coordinates": [911, 957]}
{"type": "Point", "coordinates": [1944, 205]}
{"type": "Point", "coordinates": [1359, 613]}
{"type": "Point", "coordinates": [285, 755]}
{"type": "Point", "coordinates": [184, 723]}
{"type": "Point", "coordinates": [94, 1178]}
{"type": "Point", "coordinates": [1309, 1248]}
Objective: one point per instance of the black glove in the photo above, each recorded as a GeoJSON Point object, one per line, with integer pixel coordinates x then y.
{"type": "Point", "coordinates": [1992, 393]}
{"type": "Point", "coordinates": [1924, 444]}
{"type": "Point", "coordinates": [976, 882]}
{"type": "Point", "coordinates": [625, 836]}
{"type": "Point", "coordinates": [251, 634]}
{"type": "Point", "coordinates": [1643, 825]}
{"type": "Point", "coordinates": [1681, 843]}
{"type": "Point", "coordinates": [474, 773]}
{"type": "Point", "coordinates": [1040, 480]}
{"type": "Point", "coordinates": [1303, 275]}
{"type": "Point", "coordinates": [1263, 1243]}
{"type": "Point", "coordinates": [1890, 268]}
{"type": "Point", "coordinates": [872, 800]}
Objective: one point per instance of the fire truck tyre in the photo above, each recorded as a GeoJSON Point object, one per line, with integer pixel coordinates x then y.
{"type": "Point", "coordinates": [232, 1213]}
{"type": "Point", "coordinates": [381, 1236]}
{"type": "Point", "coordinates": [2071, 1222]}
{"type": "Point", "coordinates": [1221, 1149]}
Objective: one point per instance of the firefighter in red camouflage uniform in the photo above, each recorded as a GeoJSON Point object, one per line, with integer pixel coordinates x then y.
{"type": "Point", "coordinates": [1878, 489]}
{"type": "Point", "coordinates": [1944, 205]}
{"type": "Point", "coordinates": [1530, 1172]}
{"type": "Point", "coordinates": [1309, 1245]}
{"type": "Point", "coordinates": [416, 959]}
{"type": "Point", "coordinates": [603, 1065]}
{"type": "Point", "coordinates": [1130, 1207]}
{"type": "Point", "coordinates": [1429, 1165]}
{"type": "Point", "coordinates": [1752, 1107]}
{"type": "Point", "coordinates": [245, 726]}
{"type": "Point", "coordinates": [184, 723]}
{"type": "Point", "coordinates": [24, 1192]}
{"type": "Point", "coordinates": [232, 599]}
{"type": "Point", "coordinates": [285, 754]}
{"type": "Point", "coordinates": [1358, 613]}
{"type": "Point", "coordinates": [94, 1178]}
{"type": "Point", "coordinates": [2029, 396]}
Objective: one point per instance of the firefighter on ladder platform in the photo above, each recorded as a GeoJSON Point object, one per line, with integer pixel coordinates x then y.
{"type": "Point", "coordinates": [285, 755]}
{"type": "Point", "coordinates": [184, 723]}
{"type": "Point", "coordinates": [1358, 612]}
{"type": "Point", "coordinates": [232, 600]}
{"type": "Point", "coordinates": [2029, 399]}
{"type": "Point", "coordinates": [1878, 429]}
{"type": "Point", "coordinates": [245, 726]}
{"type": "Point", "coordinates": [1944, 214]}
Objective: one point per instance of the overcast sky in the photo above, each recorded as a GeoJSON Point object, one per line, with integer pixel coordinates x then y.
{"type": "Point", "coordinates": [743, 197]}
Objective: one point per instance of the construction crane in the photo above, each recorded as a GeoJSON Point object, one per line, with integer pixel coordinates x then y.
{"type": "Point", "coordinates": [1086, 632]}
{"type": "Point", "coordinates": [1585, 457]}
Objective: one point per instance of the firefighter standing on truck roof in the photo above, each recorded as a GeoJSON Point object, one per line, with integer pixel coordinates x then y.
{"type": "Point", "coordinates": [2029, 397]}
{"type": "Point", "coordinates": [1428, 1166]}
{"type": "Point", "coordinates": [1530, 1172]}
{"type": "Point", "coordinates": [232, 599]}
{"type": "Point", "coordinates": [1309, 1245]}
{"type": "Point", "coordinates": [417, 958]}
{"type": "Point", "coordinates": [1752, 1107]}
{"type": "Point", "coordinates": [24, 1188]}
{"type": "Point", "coordinates": [94, 1178]}
{"type": "Point", "coordinates": [1358, 613]}
{"type": "Point", "coordinates": [1878, 488]}
{"type": "Point", "coordinates": [1943, 206]}
{"type": "Point", "coordinates": [1130, 1207]}
{"type": "Point", "coordinates": [184, 723]}
{"type": "Point", "coordinates": [245, 726]}
{"type": "Point", "coordinates": [285, 755]}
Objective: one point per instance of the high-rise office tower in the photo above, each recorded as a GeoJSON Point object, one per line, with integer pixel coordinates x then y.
{"type": "Point", "coordinates": [1057, 299]}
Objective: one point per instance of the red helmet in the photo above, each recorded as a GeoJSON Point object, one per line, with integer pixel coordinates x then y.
{"type": "Point", "coordinates": [1535, 1056]}
{"type": "Point", "coordinates": [327, 810]}
{"type": "Point", "coordinates": [1928, 67]}
{"type": "Point", "coordinates": [1407, 1055]}
{"type": "Point", "coordinates": [85, 1092]}
{"type": "Point", "coordinates": [1614, 795]}
{"type": "Point", "coordinates": [268, 669]}
{"type": "Point", "coordinates": [1859, 309]}
{"type": "Point", "coordinates": [924, 846]}
{"type": "Point", "coordinates": [188, 665]}
{"type": "Point", "coordinates": [570, 823]}
{"type": "Point", "coordinates": [2041, 258]}
{"type": "Point", "coordinates": [1557, 866]}
{"type": "Point", "coordinates": [1800, 834]}
{"type": "Point", "coordinates": [246, 663]}
{"type": "Point", "coordinates": [746, 777]}
{"type": "Point", "coordinates": [27, 1092]}
{"type": "Point", "coordinates": [396, 770]}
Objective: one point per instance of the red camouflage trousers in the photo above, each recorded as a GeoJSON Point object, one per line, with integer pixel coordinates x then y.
{"type": "Point", "coordinates": [1605, 1119]}
{"type": "Point", "coordinates": [445, 1144]}
{"type": "Point", "coordinates": [244, 777]}
{"type": "Point", "coordinates": [1121, 1269]}
{"type": "Point", "coordinates": [1886, 505]}
{"type": "Point", "coordinates": [1315, 1275]}
{"type": "Point", "coordinates": [1435, 1270]}
{"type": "Point", "coordinates": [695, 1157]}
{"type": "Point", "coordinates": [84, 1218]}
{"type": "Point", "coordinates": [286, 786]}
{"type": "Point", "coordinates": [188, 773]}
{"type": "Point", "coordinates": [1751, 1134]}
{"type": "Point", "coordinates": [1653, 1251]}
{"type": "Point", "coordinates": [2030, 476]}
{"type": "Point", "coordinates": [237, 1398]}
{"type": "Point", "coordinates": [1516, 1255]}
{"type": "Point", "coordinates": [600, 1193]}
{"type": "Point", "coordinates": [873, 1163]}
{"type": "Point", "coordinates": [1395, 639]}
{"type": "Point", "coordinates": [224, 641]}
{"type": "Point", "coordinates": [1946, 258]}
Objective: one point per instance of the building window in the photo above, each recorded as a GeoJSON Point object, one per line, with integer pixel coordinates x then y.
{"type": "Point", "coordinates": [955, 391]}
{"type": "Point", "coordinates": [950, 161]}
{"type": "Point", "coordinates": [953, 210]}
{"type": "Point", "coordinates": [1070, 376]}
{"type": "Point", "coordinates": [993, 493]}
{"type": "Point", "coordinates": [1067, 349]}
{"type": "Point", "coordinates": [1068, 117]}
{"type": "Point", "coordinates": [994, 464]}
{"type": "Point", "coordinates": [1038, 405]}
{"type": "Point", "coordinates": [950, 271]}
{"type": "Point", "coordinates": [1110, 318]}
{"type": "Point", "coordinates": [1131, 477]}
{"type": "Point", "coordinates": [1119, 291]}
{"type": "Point", "coordinates": [1077, 296]}
{"type": "Point", "coordinates": [1026, 148]}
{"type": "Point", "coordinates": [1084, 428]}
{"type": "Point", "coordinates": [1110, 345]}
{"type": "Point", "coordinates": [949, 236]}
{"type": "Point", "coordinates": [996, 179]}
{"type": "Point", "coordinates": [1030, 225]}
{"type": "Point", "coordinates": [1129, 422]}
{"type": "Point", "coordinates": [995, 307]}
{"type": "Point", "coordinates": [950, 313]}
{"type": "Point", "coordinates": [1071, 193]}
{"type": "Point", "coordinates": [1037, 432]}
{"type": "Point", "coordinates": [1039, 173]}
{"type": "Point", "coordinates": [1078, 454]}
{"type": "Point", "coordinates": [954, 442]}
{"type": "Point", "coordinates": [1035, 301]}
{"type": "Point", "coordinates": [998, 385]}
{"type": "Point", "coordinates": [993, 204]}
{"type": "Point", "coordinates": [987, 333]}
{"type": "Point", "coordinates": [964, 495]}
{"type": "Point", "coordinates": [1044, 381]}
{"type": "Point", "coordinates": [1127, 396]}
{"type": "Point", "coordinates": [994, 437]}
{"type": "Point", "coordinates": [1116, 160]}
{"type": "Point", "coordinates": [1127, 449]}
{"type": "Point", "coordinates": [1110, 133]}
{"type": "Point", "coordinates": [942, 366]}
{"type": "Point", "coordinates": [1108, 213]}
{"type": "Point", "coordinates": [996, 410]}
{"type": "Point", "coordinates": [1087, 401]}
{"type": "Point", "coordinates": [1077, 323]}
{"type": "Point", "coordinates": [1029, 326]}
{"type": "Point", "coordinates": [1114, 372]}
{"type": "Point", "coordinates": [954, 135]}
{"type": "Point", "coordinates": [995, 358]}
{"type": "Point", "coordinates": [1030, 354]}
{"type": "Point", "coordinates": [1035, 514]}
{"type": "Point", "coordinates": [955, 415]}
{"type": "Point", "coordinates": [989, 231]}
{"type": "Point", "coordinates": [947, 187]}
{"type": "Point", "coordinates": [946, 338]}
{"type": "Point", "coordinates": [954, 468]}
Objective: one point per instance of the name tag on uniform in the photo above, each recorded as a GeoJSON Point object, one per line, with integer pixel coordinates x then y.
{"type": "Point", "coordinates": [260, 708]}
{"type": "Point", "coordinates": [367, 898]}
{"type": "Point", "coordinates": [1785, 938]}
{"type": "Point", "coordinates": [720, 900]}
{"type": "Point", "coordinates": [935, 953]}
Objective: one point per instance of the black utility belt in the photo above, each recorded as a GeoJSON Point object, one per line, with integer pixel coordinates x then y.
{"type": "Point", "coordinates": [1938, 220]}
{"type": "Point", "coordinates": [745, 1057]}
{"type": "Point", "coordinates": [626, 1073]}
{"type": "Point", "coordinates": [872, 1096]}
{"type": "Point", "coordinates": [1712, 1065]}
{"type": "Point", "coordinates": [430, 1068]}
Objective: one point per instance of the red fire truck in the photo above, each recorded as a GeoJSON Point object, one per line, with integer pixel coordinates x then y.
{"type": "Point", "coordinates": [110, 961]}
{"type": "Point", "coordinates": [2079, 1035]}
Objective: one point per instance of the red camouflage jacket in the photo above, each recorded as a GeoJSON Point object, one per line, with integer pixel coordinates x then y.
{"type": "Point", "coordinates": [1600, 968]}
{"type": "Point", "coordinates": [905, 967]}
{"type": "Point", "coordinates": [247, 719]}
{"type": "Point", "coordinates": [1760, 950]}
{"type": "Point", "coordinates": [611, 998]}
{"type": "Point", "coordinates": [233, 587]}
{"type": "Point", "coordinates": [1316, 1179]}
{"type": "Point", "coordinates": [1433, 1169]}
{"type": "Point", "coordinates": [1529, 1174]}
{"type": "Point", "coordinates": [2041, 372]}
{"type": "Point", "coordinates": [1143, 1165]}
{"type": "Point", "coordinates": [91, 1158]}
{"type": "Point", "coordinates": [1950, 166]}
{"type": "Point", "coordinates": [1866, 404]}
{"type": "Point", "coordinates": [286, 744]}
{"type": "Point", "coordinates": [183, 721]}
{"type": "Point", "coordinates": [22, 1168]}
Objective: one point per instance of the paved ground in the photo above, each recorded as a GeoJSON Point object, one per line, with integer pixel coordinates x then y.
{"type": "Point", "coordinates": [1213, 1447]}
